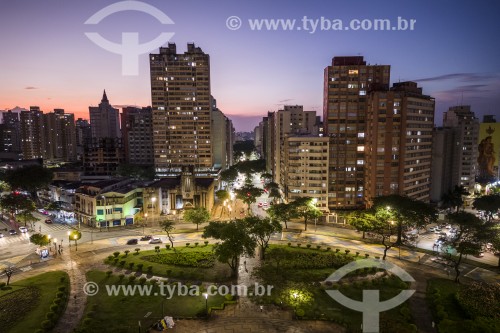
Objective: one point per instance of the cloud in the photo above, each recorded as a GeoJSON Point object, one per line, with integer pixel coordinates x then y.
{"type": "Point", "coordinates": [462, 77]}
{"type": "Point", "coordinates": [285, 101]}
{"type": "Point", "coordinates": [30, 88]}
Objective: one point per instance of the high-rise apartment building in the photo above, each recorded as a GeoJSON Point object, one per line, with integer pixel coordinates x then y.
{"type": "Point", "coordinates": [32, 133]}
{"type": "Point", "coordinates": [222, 138]}
{"type": "Point", "coordinates": [465, 152]}
{"type": "Point", "coordinates": [182, 111]}
{"type": "Point", "coordinates": [59, 136]}
{"type": "Point", "coordinates": [83, 134]}
{"type": "Point", "coordinates": [137, 135]}
{"type": "Point", "coordinates": [346, 85]}
{"type": "Point", "coordinates": [104, 120]}
{"type": "Point", "coordinates": [10, 139]}
{"type": "Point", "coordinates": [398, 143]}
{"type": "Point", "coordinates": [304, 167]}
{"type": "Point", "coordinates": [443, 146]}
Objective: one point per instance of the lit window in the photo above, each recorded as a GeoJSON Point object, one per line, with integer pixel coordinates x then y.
{"type": "Point", "coordinates": [361, 148]}
{"type": "Point", "coordinates": [353, 72]}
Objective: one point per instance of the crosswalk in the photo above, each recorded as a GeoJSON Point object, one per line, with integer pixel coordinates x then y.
{"type": "Point", "coordinates": [56, 226]}
{"type": "Point", "coordinates": [14, 239]}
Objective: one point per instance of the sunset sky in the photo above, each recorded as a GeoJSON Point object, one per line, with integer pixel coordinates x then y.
{"type": "Point", "coordinates": [46, 59]}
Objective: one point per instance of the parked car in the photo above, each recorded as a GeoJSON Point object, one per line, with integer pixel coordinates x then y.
{"type": "Point", "coordinates": [155, 240]}
{"type": "Point", "coordinates": [132, 241]}
{"type": "Point", "coordinates": [48, 221]}
{"type": "Point", "coordinates": [23, 229]}
{"type": "Point", "coordinates": [146, 238]}
{"type": "Point", "coordinates": [12, 232]}
{"type": "Point", "coordinates": [431, 229]}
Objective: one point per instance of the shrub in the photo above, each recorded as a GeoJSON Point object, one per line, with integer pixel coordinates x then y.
{"type": "Point", "coordinates": [328, 248]}
{"type": "Point", "coordinates": [157, 249]}
{"type": "Point", "coordinates": [115, 261]}
{"type": "Point", "coordinates": [54, 307]}
{"type": "Point", "coordinates": [480, 299]}
{"type": "Point", "coordinates": [109, 273]}
{"type": "Point", "coordinates": [47, 324]}
{"type": "Point", "coordinates": [140, 266]}
{"type": "Point", "coordinates": [110, 258]}
{"type": "Point", "coordinates": [308, 246]}
{"type": "Point", "coordinates": [366, 255]}
{"type": "Point", "coordinates": [121, 276]}
{"type": "Point", "coordinates": [298, 245]}
{"type": "Point", "coordinates": [137, 251]}
{"type": "Point", "coordinates": [357, 253]}
{"type": "Point", "coordinates": [300, 312]}
{"type": "Point", "coordinates": [127, 252]}
{"type": "Point", "coordinates": [142, 280]}
{"type": "Point", "coordinates": [50, 315]}
{"type": "Point", "coordinates": [187, 244]}
{"type": "Point", "coordinates": [347, 252]}
{"type": "Point", "coordinates": [150, 269]}
{"type": "Point", "coordinates": [190, 259]}
{"type": "Point", "coordinates": [62, 279]}
{"type": "Point", "coordinates": [206, 243]}
{"type": "Point", "coordinates": [167, 246]}
{"type": "Point", "coordinates": [289, 244]}
{"type": "Point", "coordinates": [131, 265]}
{"type": "Point", "coordinates": [131, 278]}
{"type": "Point", "coordinates": [122, 263]}
{"type": "Point", "coordinates": [228, 297]}
{"type": "Point", "coordinates": [91, 314]}
{"type": "Point", "coordinates": [60, 294]}
{"type": "Point", "coordinates": [196, 244]}
{"type": "Point", "coordinates": [116, 254]}
{"type": "Point", "coordinates": [57, 301]}
{"type": "Point", "coordinates": [318, 247]}
{"type": "Point", "coordinates": [62, 288]}
{"type": "Point", "coordinates": [169, 272]}
{"type": "Point", "coordinates": [87, 321]}
{"type": "Point", "coordinates": [376, 257]}
{"type": "Point", "coordinates": [337, 250]}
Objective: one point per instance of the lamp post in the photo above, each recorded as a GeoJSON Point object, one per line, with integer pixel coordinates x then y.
{"type": "Point", "coordinates": [144, 223]}
{"type": "Point", "coordinates": [75, 237]}
{"type": "Point", "coordinates": [295, 301]}
{"type": "Point", "coordinates": [206, 303]}
{"type": "Point", "coordinates": [69, 241]}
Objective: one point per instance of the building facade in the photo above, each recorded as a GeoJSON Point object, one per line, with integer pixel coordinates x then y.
{"type": "Point", "coordinates": [137, 135]}
{"type": "Point", "coordinates": [104, 120]}
{"type": "Point", "coordinates": [398, 143]}
{"type": "Point", "coordinates": [59, 136]}
{"type": "Point", "coordinates": [32, 133]}
{"type": "Point", "coordinates": [182, 111]}
{"type": "Point", "coordinates": [346, 85]}
{"type": "Point", "coordinates": [304, 167]}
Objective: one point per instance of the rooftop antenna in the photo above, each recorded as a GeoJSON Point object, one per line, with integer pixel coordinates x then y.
{"type": "Point", "coordinates": [462, 102]}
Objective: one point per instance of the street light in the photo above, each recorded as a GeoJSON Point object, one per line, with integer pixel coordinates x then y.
{"type": "Point", "coordinates": [69, 237]}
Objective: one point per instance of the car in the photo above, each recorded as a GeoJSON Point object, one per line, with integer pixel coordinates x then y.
{"type": "Point", "coordinates": [448, 226]}
{"type": "Point", "coordinates": [146, 238]}
{"type": "Point", "coordinates": [12, 232]}
{"type": "Point", "coordinates": [48, 221]}
{"type": "Point", "coordinates": [480, 255]}
{"type": "Point", "coordinates": [132, 241]}
{"type": "Point", "coordinates": [155, 240]}
{"type": "Point", "coordinates": [431, 229]}
{"type": "Point", "coordinates": [23, 229]}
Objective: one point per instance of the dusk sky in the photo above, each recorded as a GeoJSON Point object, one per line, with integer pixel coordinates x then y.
{"type": "Point", "coordinates": [47, 60]}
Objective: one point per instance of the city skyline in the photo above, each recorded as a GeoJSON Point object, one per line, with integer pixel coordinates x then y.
{"type": "Point", "coordinates": [252, 71]}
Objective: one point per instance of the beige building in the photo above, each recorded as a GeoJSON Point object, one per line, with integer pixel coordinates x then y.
{"type": "Point", "coordinates": [180, 93]}
{"type": "Point", "coordinates": [398, 146]}
{"type": "Point", "coordinates": [32, 133]}
{"type": "Point", "coordinates": [304, 168]}
{"type": "Point", "coordinates": [346, 85]}
{"type": "Point", "coordinates": [59, 136]}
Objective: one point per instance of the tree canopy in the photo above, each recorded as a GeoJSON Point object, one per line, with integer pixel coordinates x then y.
{"type": "Point", "coordinates": [490, 204]}
{"type": "Point", "coordinates": [248, 194]}
{"type": "Point", "coordinates": [262, 230]}
{"type": "Point", "coordinates": [168, 226]}
{"type": "Point", "coordinates": [304, 207]}
{"type": "Point", "coordinates": [29, 178]}
{"type": "Point", "coordinates": [39, 239]}
{"type": "Point", "coordinates": [282, 212]}
{"type": "Point", "coordinates": [197, 216]}
{"type": "Point", "coordinates": [235, 241]}
{"type": "Point", "coordinates": [19, 203]}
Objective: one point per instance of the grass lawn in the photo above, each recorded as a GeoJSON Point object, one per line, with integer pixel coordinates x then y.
{"type": "Point", "coordinates": [300, 270]}
{"type": "Point", "coordinates": [122, 313]}
{"type": "Point", "coordinates": [219, 272]}
{"type": "Point", "coordinates": [24, 306]}
{"type": "Point", "coordinates": [448, 289]}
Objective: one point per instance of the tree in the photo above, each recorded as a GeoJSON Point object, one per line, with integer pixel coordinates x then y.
{"type": "Point", "coordinates": [275, 194]}
{"type": "Point", "coordinates": [222, 195]}
{"type": "Point", "coordinates": [248, 194]}
{"type": "Point", "coordinates": [197, 216]}
{"type": "Point", "coordinates": [361, 221]}
{"type": "Point", "coordinates": [136, 171]}
{"type": "Point", "coordinates": [471, 236]}
{"type": "Point", "coordinates": [282, 213]}
{"type": "Point", "coordinates": [8, 272]}
{"type": "Point", "coordinates": [487, 203]}
{"type": "Point", "coordinates": [306, 208]}
{"type": "Point", "coordinates": [406, 212]}
{"type": "Point", "coordinates": [236, 241]}
{"type": "Point", "coordinates": [17, 203]}
{"type": "Point", "coordinates": [29, 178]}
{"type": "Point", "coordinates": [229, 175]}
{"type": "Point", "coordinates": [262, 229]}
{"type": "Point", "coordinates": [168, 226]}
{"type": "Point", "coordinates": [243, 149]}
{"type": "Point", "coordinates": [39, 239]}
{"type": "Point", "coordinates": [27, 217]}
